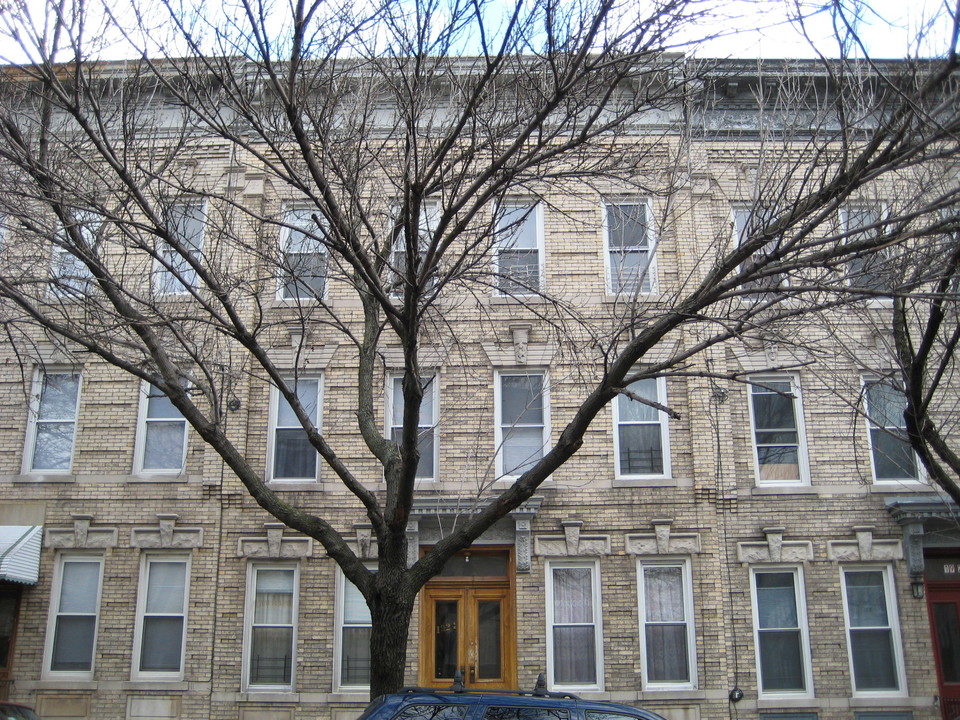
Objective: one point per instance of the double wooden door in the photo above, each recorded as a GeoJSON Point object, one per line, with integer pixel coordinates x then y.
{"type": "Point", "coordinates": [467, 624]}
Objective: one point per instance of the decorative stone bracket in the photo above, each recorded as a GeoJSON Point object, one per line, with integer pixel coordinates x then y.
{"type": "Point", "coordinates": [520, 351]}
{"type": "Point", "coordinates": [166, 535]}
{"type": "Point", "coordinates": [275, 545]}
{"type": "Point", "coordinates": [864, 548]}
{"type": "Point", "coordinates": [775, 549]}
{"type": "Point", "coordinates": [572, 543]}
{"type": "Point", "coordinates": [662, 541]}
{"type": "Point", "coordinates": [300, 353]}
{"type": "Point", "coordinates": [365, 544]}
{"type": "Point", "coordinates": [81, 535]}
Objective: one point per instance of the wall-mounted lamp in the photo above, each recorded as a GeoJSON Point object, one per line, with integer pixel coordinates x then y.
{"type": "Point", "coordinates": [916, 585]}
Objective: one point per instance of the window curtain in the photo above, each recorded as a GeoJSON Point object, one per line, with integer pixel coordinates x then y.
{"type": "Point", "coordinates": [574, 655]}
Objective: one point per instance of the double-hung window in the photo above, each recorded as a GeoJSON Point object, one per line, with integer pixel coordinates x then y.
{"type": "Point", "coordinates": [175, 272]}
{"type": "Point", "coordinates": [162, 434]}
{"type": "Point", "coordinates": [641, 439]}
{"type": "Point", "coordinates": [426, 227]}
{"type": "Point", "coordinates": [780, 633]}
{"type": "Point", "coordinates": [353, 637]}
{"type": "Point", "coordinates": [629, 238]}
{"type": "Point", "coordinates": [161, 618]}
{"type": "Point", "coordinates": [270, 627]}
{"type": "Point", "coordinates": [75, 605]}
{"type": "Point", "coordinates": [518, 262]}
{"type": "Point", "coordinates": [861, 224]}
{"type": "Point", "coordinates": [303, 259]}
{"type": "Point", "coordinates": [53, 422]}
{"type": "Point", "coordinates": [667, 643]}
{"type": "Point", "coordinates": [776, 416]}
{"type": "Point", "coordinates": [872, 634]}
{"type": "Point", "coordinates": [70, 277]}
{"type": "Point", "coordinates": [743, 219]}
{"type": "Point", "coordinates": [522, 421]}
{"type": "Point", "coordinates": [426, 426]}
{"type": "Point", "coordinates": [574, 639]}
{"type": "Point", "coordinates": [292, 455]}
{"type": "Point", "coordinates": [892, 456]}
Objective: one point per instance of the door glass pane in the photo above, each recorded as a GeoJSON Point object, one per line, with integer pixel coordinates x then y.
{"type": "Point", "coordinates": [488, 642]}
{"type": "Point", "coordinates": [948, 640]}
{"type": "Point", "coordinates": [445, 649]}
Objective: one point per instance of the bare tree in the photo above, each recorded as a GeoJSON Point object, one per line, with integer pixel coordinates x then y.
{"type": "Point", "coordinates": [397, 134]}
{"type": "Point", "coordinates": [925, 333]}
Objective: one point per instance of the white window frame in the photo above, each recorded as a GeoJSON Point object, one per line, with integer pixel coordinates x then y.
{"type": "Point", "coordinates": [803, 469]}
{"type": "Point", "coordinates": [275, 400]}
{"type": "Point", "coordinates": [147, 393]}
{"type": "Point", "coordinates": [499, 433]}
{"type": "Point", "coordinates": [302, 218]}
{"type": "Point", "coordinates": [147, 561]}
{"type": "Point", "coordinates": [433, 378]}
{"type": "Point", "coordinates": [740, 221]}
{"type": "Point", "coordinates": [893, 619]}
{"type": "Point", "coordinates": [62, 260]}
{"type": "Point", "coordinates": [662, 421]}
{"type": "Point", "coordinates": [248, 616]}
{"type": "Point", "coordinates": [801, 608]}
{"type": "Point", "coordinates": [427, 225]}
{"type": "Point", "coordinates": [54, 615]}
{"type": "Point", "coordinates": [687, 588]}
{"type": "Point", "coordinates": [34, 421]}
{"type": "Point", "coordinates": [597, 624]}
{"type": "Point", "coordinates": [342, 587]}
{"type": "Point", "coordinates": [855, 264]}
{"type": "Point", "coordinates": [504, 238]}
{"type": "Point", "coordinates": [920, 477]}
{"type": "Point", "coordinates": [648, 284]}
{"type": "Point", "coordinates": [165, 283]}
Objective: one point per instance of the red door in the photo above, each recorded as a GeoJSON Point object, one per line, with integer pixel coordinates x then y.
{"type": "Point", "coordinates": [943, 604]}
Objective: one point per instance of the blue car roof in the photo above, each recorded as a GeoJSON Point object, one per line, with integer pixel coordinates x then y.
{"type": "Point", "coordinates": [388, 705]}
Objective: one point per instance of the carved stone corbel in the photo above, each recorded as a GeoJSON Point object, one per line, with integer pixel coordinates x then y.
{"type": "Point", "coordinates": [274, 545]}
{"type": "Point", "coordinates": [663, 541]}
{"type": "Point", "coordinates": [775, 549]}
{"type": "Point", "coordinates": [166, 534]}
{"type": "Point", "coordinates": [572, 543]}
{"type": "Point", "coordinates": [864, 547]}
{"type": "Point", "coordinates": [82, 535]}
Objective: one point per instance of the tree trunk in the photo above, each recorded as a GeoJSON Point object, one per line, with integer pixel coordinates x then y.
{"type": "Point", "coordinates": [390, 613]}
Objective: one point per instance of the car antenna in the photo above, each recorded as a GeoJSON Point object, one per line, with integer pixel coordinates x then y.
{"type": "Point", "coordinates": [540, 689]}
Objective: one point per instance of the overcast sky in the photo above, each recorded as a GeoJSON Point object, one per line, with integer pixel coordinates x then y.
{"type": "Point", "coordinates": [889, 28]}
{"type": "Point", "coordinates": [747, 28]}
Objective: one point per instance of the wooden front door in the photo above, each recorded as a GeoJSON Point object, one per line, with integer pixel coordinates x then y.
{"type": "Point", "coordinates": [467, 623]}
{"type": "Point", "coordinates": [9, 610]}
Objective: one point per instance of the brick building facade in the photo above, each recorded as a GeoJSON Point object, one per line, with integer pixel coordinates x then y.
{"type": "Point", "coordinates": [759, 554]}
